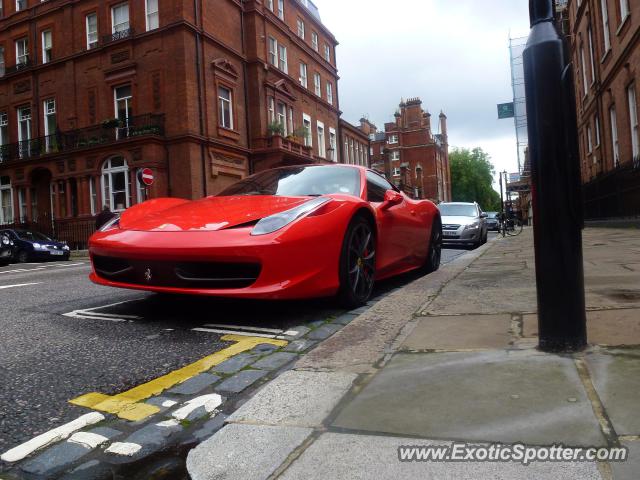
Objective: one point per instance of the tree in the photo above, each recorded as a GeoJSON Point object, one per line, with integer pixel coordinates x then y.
{"type": "Point", "coordinates": [472, 178]}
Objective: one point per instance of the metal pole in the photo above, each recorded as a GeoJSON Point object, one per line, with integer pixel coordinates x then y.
{"type": "Point", "coordinates": [501, 194]}
{"type": "Point", "coordinates": [555, 185]}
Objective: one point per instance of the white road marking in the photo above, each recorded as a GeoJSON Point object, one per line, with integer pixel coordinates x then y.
{"type": "Point", "coordinates": [276, 331]}
{"type": "Point", "coordinates": [88, 439]}
{"type": "Point", "coordinates": [94, 316]}
{"type": "Point", "coordinates": [19, 285]}
{"type": "Point", "coordinates": [237, 332]}
{"type": "Point", "coordinates": [209, 402]}
{"type": "Point", "coordinates": [52, 436]}
{"type": "Point", "coordinates": [91, 314]}
{"type": "Point", "coordinates": [126, 449]}
{"type": "Point", "coordinates": [42, 267]}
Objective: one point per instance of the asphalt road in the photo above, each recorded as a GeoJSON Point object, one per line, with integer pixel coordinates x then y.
{"type": "Point", "coordinates": [47, 358]}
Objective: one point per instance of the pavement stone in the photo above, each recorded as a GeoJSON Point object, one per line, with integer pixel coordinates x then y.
{"type": "Point", "coordinates": [299, 346]}
{"type": "Point", "coordinates": [345, 319]}
{"type": "Point", "coordinates": [61, 456]}
{"type": "Point", "coordinates": [195, 384]}
{"type": "Point", "coordinates": [508, 397]}
{"type": "Point", "coordinates": [247, 452]}
{"type": "Point", "coordinates": [317, 323]}
{"type": "Point", "coordinates": [629, 470]}
{"type": "Point", "coordinates": [275, 361]}
{"type": "Point", "coordinates": [264, 348]}
{"type": "Point", "coordinates": [296, 398]}
{"type": "Point", "coordinates": [237, 363]}
{"type": "Point", "coordinates": [324, 331]}
{"type": "Point", "coordinates": [166, 468]}
{"type": "Point", "coordinates": [301, 329]}
{"type": "Point", "coordinates": [163, 403]}
{"type": "Point", "coordinates": [91, 470]}
{"type": "Point", "coordinates": [241, 380]}
{"type": "Point", "coordinates": [363, 457]}
{"type": "Point", "coordinates": [616, 378]}
{"type": "Point", "coordinates": [360, 311]}
{"type": "Point", "coordinates": [207, 429]}
{"type": "Point", "coordinates": [151, 439]}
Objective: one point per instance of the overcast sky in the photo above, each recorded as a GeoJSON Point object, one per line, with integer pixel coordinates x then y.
{"type": "Point", "coordinates": [453, 54]}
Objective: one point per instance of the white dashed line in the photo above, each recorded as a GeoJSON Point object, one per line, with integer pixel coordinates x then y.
{"type": "Point", "coordinates": [3, 287]}
{"type": "Point", "coordinates": [237, 332]}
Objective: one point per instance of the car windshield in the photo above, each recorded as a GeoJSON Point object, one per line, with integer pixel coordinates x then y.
{"type": "Point", "coordinates": [32, 236]}
{"type": "Point", "coordinates": [492, 214]}
{"type": "Point", "coordinates": [299, 182]}
{"type": "Point", "coordinates": [453, 210]}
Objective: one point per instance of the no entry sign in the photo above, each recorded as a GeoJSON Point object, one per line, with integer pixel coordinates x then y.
{"type": "Point", "coordinates": [145, 175]}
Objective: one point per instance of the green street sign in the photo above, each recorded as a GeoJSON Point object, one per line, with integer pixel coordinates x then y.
{"type": "Point", "coordinates": [506, 110]}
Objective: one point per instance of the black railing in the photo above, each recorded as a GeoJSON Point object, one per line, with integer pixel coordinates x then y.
{"type": "Point", "coordinates": [613, 194]}
{"type": "Point", "coordinates": [107, 133]}
{"type": "Point", "coordinates": [116, 36]}
{"type": "Point", "coordinates": [18, 67]}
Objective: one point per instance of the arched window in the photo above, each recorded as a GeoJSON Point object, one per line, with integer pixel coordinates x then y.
{"type": "Point", "coordinates": [115, 184]}
{"type": "Point", "coordinates": [6, 201]}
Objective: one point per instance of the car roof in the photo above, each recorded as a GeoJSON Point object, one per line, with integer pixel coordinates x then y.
{"type": "Point", "coordinates": [458, 203]}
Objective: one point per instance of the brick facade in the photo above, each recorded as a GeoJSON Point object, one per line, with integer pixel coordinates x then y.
{"type": "Point", "coordinates": [199, 96]}
{"type": "Point", "coordinates": [355, 145]}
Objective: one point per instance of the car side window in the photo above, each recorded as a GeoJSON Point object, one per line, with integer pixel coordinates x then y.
{"type": "Point", "coordinates": [376, 187]}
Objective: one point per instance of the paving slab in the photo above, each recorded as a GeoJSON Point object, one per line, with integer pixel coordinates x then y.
{"type": "Point", "coordinates": [509, 397]}
{"type": "Point", "coordinates": [91, 470]}
{"type": "Point", "coordinates": [299, 346]}
{"type": "Point", "coordinates": [363, 457]}
{"type": "Point", "coordinates": [144, 442]}
{"type": "Point", "coordinates": [195, 384]}
{"type": "Point", "coordinates": [241, 381]}
{"type": "Point", "coordinates": [275, 361]}
{"type": "Point", "coordinates": [325, 331]}
{"type": "Point", "coordinates": [629, 470]}
{"type": "Point", "coordinates": [604, 327]}
{"type": "Point", "coordinates": [296, 398]}
{"type": "Point", "coordinates": [247, 452]}
{"type": "Point", "coordinates": [237, 363]}
{"type": "Point", "coordinates": [616, 378]}
{"type": "Point", "coordinates": [466, 332]}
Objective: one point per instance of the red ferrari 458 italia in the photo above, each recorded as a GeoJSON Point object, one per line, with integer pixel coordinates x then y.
{"type": "Point", "coordinates": [287, 233]}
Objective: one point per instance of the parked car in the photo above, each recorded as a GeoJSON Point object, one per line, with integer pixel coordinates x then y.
{"type": "Point", "coordinates": [492, 221]}
{"type": "Point", "coordinates": [287, 233]}
{"type": "Point", "coordinates": [33, 246]}
{"type": "Point", "coordinates": [6, 249]}
{"type": "Point", "coordinates": [463, 223]}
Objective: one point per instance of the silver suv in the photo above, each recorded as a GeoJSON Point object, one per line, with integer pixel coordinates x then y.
{"type": "Point", "coordinates": [463, 223]}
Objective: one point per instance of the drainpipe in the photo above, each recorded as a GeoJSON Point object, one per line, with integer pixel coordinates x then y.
{"type": "Point", "coordinates": [246, 92]}
{"type": "Point", "coordinates": [199, 54]}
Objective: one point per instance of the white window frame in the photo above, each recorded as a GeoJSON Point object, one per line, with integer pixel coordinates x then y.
{"type": "Point", "coordinates": [317, 84]}
{"type": "Point", "coordinates": [115, 28]}
{"type": "Point", "coordinates": [271, 109]}
{"type": "Point", "coordinates": [21, 5]}
{"type": "Point", "coordinates": [22, 44]}
{"type": "Point", "coordinates": [48, 110]}
{"type": "Point", "coordinates": [327, 52]}
{"type": "Point", "coordinates": [283, 63]}
{"type": "Point", "coordinates": [4, 128]}
{"type": "Point", "coordinates": [395, 156]}
{"type": "Point", "coordinates": [624, 10]}
{"type": "Point", "coordinates": [314, 41]}
{"type": "Point", "coordinates": [393, 139]}
{"type": "Point", "coordinates": [6, 187]}
{"type": "Point", "coordinates": [596, 122]}
{"type": "Point", "coordinates": [281, 116]}
{"type": "Point", "coordinates": [333, 144]}
{"type": "Point", "coordinates": [605, 25]}
{"type": "Point", "coordinates": [633, 122]}
{"type": "Point", "coordinates": [397, 172]}
{"type": "Point", "coordinates": [269, 4]}
{"type": "Point", "coordinates": [589, 140]}
{"type": "Point", "coordinates": [2, 62]}
{"type": "Point", "coordinates": [273, 51]}
{"type": "Point", "coordinates": [592, 55]}
{"type": "Point", "coordinates": [585, 84]}
{"type": "Point", "coordinates": [93, 196]}
{"type": "Point", "coordinates": [322, 140]}
{"type": "Point", "coordinates": [47, 53]}
{"type": "Point", "coordinates": [228, 103]}
{"type": "Point", "coordinates": [107, 180]}
{"type": "Point", "coordinates": [92, 36]}
{"type": "Point", "coordinates": [281, 9]}
{"type": "Point", "coordinates": [301, 28]}
{"type": "Point", "coordinates": [330, 92]}
{"type": "Point", "coordinates": [304, 79]}
{"type": "Point", "coordinates": [614, 136]}
{"type": "Point", "coordinates": [306, 122]}
{"type": "Point", "coordinates": [152, 17]}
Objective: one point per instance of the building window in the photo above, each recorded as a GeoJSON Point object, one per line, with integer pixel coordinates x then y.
{"type": "Point", "coordinates": [303, 75]}
{"type": "Point", "coordinates": [614, 136]}
{"type": "Point", "coordinates": [269, 4]}
{"type": "Point", "coordinates": [92, 31]}
{"type": "Point", "coordinates": [393, 139]}
{"type": "Point", "coordinates": [50, 123]}
{"type": "Point", "coordinates": [301, 28]}
{"type": "Point", "coordinates": [596, 121]}
{"type": "Point", "coordinates": [330, 93]}
{"type": "Point", "coordinates": [226, 107]}
{"type": "Point", "coordinates": [283, 59]}
{"type": "Point", "coordinates": [332, 145]}
{"type": "Point", "coordinates": [396, 172]}
{"type": "Point", "coordinates": [317, 84]}
{"type": "Point", "coordinates": [116, 185]}
{"type": "Point", "coordinates": [21, 5]}
{"type": "Point", "coordinates": [4, 129]}
{"type": "Point", "coordinates": [281, 117]}
{"type": "Point", "coordinates": [271, 109]}
{"type": "Point", "coordinates": [153, 18]}
{"type": "Point", "coordinates": [120, 18]}
{"type": "Point", "coordinates": [585, 86]}
{"type": "Point", "coordinates": [327, 53]}
{"type": "Point", "coordinates": [281, 9]}
{"type": "Point", "coordinates": [273, 51]}
{"type": "Point", "coordinates": [306, 124]}
{"type": "Point", "coordinates": [24, 131]}
{"type": "Point", "coordinates": [624, 10]}
{"type": "Point", "coordinates": [123, 108]}
{"type": "Point", "coordinates": [395, 156]}
{"type": "Point", "coordinates": [1, 61]}
{"type": "Point", "coordinates": [47, 45]}
{"type": "Point", "coordinates": [22, 51]}
{"type": "Point", "coordinates": [633, 112]}
{"type": "Point", "coordinates": [93, 195]}
{"type": "Point", "coordinates": [605, 25]}
{"type": "Point", "coordinates": [589, 140]}
{"type": "Point", "coordinates": [322, 146]}
{"type": "Point", "coordinates": [290, 124]}
{"type": "Point", "coordinates": [6, 201]}
{"type": "Point", "coordinates": [314, 41]}
{"type": "Point", "coordinates": [592, 56]}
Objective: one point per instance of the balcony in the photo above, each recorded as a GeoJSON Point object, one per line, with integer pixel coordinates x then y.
{"type": "Point", "coordinates": [18, 67]}
{"type": "Point", "coordinates": [98, 135]}
{"type": "Point", "coordinates": [282, 144]}
{"type": "Point", "coordinates": [116, 36]}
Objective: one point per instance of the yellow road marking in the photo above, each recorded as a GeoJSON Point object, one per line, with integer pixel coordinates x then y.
{"type": "Point", "coordinates": [125, 405]}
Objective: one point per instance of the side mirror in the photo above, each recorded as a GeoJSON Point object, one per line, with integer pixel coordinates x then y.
{"type": "Point", "coordinates": [391, 198]}
{"type": "Point", "coordinates": [484, 215]}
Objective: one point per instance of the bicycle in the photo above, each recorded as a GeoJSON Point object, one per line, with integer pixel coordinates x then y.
{"type": "Point", "coordinates": [510, 226]}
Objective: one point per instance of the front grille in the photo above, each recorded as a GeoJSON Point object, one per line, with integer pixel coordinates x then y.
{"type": "Point", "coordinates": [450, 227]}
{"type": "Point", "coordinates": [187, 275]}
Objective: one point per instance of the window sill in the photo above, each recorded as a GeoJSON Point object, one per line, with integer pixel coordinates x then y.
{"type": "Point", "coordinates": [229, 133]}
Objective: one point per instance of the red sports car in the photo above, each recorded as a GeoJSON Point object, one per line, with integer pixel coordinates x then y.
{"type": "Point", "coordinates": [287, 233]}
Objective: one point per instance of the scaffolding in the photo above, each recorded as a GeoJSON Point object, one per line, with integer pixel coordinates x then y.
{"type": "Point", "coordinates": [516, 47]}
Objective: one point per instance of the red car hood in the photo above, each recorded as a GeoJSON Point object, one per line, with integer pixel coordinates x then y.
{"type": "Point", "coordinates": [211, 214]}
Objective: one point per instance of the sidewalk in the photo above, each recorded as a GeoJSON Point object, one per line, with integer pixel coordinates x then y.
{"type": "Point", "coordinates": [451, 357]}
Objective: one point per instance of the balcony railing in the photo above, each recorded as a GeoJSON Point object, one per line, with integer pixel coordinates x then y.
{"type": "Point", "coordinates": [278, 142]}
{"type": "Point", "coordinates": [18, 67]}
{"type": "Point", "coordinates": [105, 134]}
{"type": "Point", "coordinates": [114, 37]}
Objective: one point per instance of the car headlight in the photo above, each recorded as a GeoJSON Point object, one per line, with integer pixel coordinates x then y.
{"type": "Point", "coordinates": [111, 224]}
{"type": "Point", "coordinates": [473, 226]}
{"type": "Point", "coordinates": [5, 240]}
{"type": "Point", "coordinates": [66, 247]}
{"type": "Point", "coordinates": [280, 220]}
{"type": "Point", "coordinates": [37, 246]}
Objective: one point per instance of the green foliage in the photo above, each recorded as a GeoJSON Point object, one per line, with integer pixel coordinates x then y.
{"type": "Point", "coordinates": [275, 128]}
{"type": "Point", "coordinates": [472, 178]}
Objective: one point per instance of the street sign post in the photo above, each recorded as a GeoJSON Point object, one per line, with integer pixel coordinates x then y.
{"type": "Point", "coordinates": [556, 190]}
{"type": "Point", "coordinates": [506, 110]}
{"type": "Point", "coordinates": [146, 177]}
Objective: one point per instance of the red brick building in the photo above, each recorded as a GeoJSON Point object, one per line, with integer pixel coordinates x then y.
{"type": "Point", "coordinates": [355, 145]}
{"type": "Point", "coordinates": [203, 93]}
{"type": "Point", "coordinates": [411, 155]}
{"type": "Point", "coordinates": [605, 49]}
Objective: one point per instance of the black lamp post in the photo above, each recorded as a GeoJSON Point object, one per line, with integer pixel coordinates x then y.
{"type": "Point", "coordinates": [557, 208]}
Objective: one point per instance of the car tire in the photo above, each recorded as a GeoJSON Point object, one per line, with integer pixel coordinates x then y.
{"type": "Point", "coordinates": [357, 264]}
{"type": "Point", "coordinates": [23, 256]}
{"type": "Point", "coordinates": [434, 255]}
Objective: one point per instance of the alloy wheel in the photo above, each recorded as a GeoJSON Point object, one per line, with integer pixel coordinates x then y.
{"type": "Point", "coordinates": [362, 261]}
